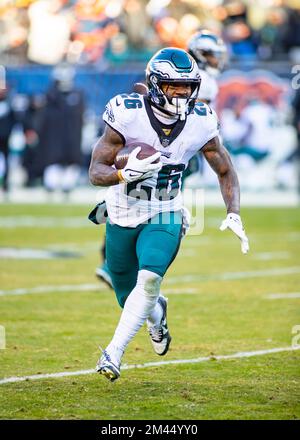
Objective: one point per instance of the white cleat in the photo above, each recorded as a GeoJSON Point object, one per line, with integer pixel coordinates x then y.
{"type": "Point", "coordinates": [103, 275]}
{"type": "Point", "coordinates": [106, 367]}
{"type": "Point", "coordinates": [159, 335]}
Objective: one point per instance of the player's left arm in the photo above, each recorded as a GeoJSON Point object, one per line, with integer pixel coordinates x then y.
{"type": "Point", "coordinates": [218, 158]}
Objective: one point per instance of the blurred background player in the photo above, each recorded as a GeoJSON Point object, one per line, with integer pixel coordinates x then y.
{"type": "Point", "coordinates": [210, 53]}
{"type": "Point", "coordinates": [7, 122]}
{"type": "Point", "coordinates": [62, 132]}
{"type": "Point", "coordinates": [54, 128]}
{"type": "Point", "coordinates": [295, 156]}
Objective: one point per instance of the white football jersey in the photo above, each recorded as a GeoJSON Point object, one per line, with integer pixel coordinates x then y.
{"type": "Point", "coordinates": [208, 88]}
{"type": "Point", "coordinates": [132, 117]}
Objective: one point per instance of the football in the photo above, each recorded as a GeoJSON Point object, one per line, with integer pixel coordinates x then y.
{"type": "Point", "coordinates": [122, 156]}
{"type": "Point", "coordinates": [140, 88]}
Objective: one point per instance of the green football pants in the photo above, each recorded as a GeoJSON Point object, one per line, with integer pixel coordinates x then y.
{"type": "Point", "coordinates": [151, 246]}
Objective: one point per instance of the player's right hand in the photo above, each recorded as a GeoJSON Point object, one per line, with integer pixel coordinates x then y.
{"type": "Point", "coordinates": [138, 169]}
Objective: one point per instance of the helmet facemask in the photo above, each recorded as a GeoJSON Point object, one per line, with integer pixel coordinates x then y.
{"type": "Point", "coordinates": [180, 104]}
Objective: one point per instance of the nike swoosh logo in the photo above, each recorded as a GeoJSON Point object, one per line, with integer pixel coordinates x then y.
{"type": "Point", "coordinates": [133, 173]}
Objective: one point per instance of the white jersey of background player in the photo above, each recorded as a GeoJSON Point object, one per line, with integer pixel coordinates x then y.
{"type": "Point", "coordinates": [209, 51]}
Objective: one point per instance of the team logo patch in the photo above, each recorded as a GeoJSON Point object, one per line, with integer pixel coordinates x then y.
{"type": "Point", "coordinates": [165, 142]}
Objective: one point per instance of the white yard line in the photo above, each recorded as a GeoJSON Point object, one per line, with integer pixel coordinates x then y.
{"type": "Point", "coordinates": [80, 288]}
{"type": "Point", "coordinates": [269, 256]}
{"type": "Point", "coordinates": [283, 295]}
{"type": "Point", "coordinates": [44, 222]}
{"type": "Point", "coordinates": [48, 289]}
{"type": "Point", "coordinates": [181, 291]}
{"type": "Point", "coordinates": [239, 355]}
{"type": "Point", "coordinates": [171, 280]}
{"type": "Point", "coordinates": [234, 275]}
{"type": "Point", "coordinates": [185, 253]}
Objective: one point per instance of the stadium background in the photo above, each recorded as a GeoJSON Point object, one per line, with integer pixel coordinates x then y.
{"type": "Point", "coordinates": [104, 45]}
{"type": "Point", "coordinates": [55, 313]}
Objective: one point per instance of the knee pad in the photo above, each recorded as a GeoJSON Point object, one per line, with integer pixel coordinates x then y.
{"type": "Point", "coordinates": [149, 282]}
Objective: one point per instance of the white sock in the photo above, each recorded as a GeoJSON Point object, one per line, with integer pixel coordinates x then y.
{"type": "Point", "coordinates": [138, 306]}
{"type": "Point", "coordinates": [156, 315]}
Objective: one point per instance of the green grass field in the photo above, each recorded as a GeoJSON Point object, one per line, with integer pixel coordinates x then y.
{"type": "Point", "coordinates": [218, 305]}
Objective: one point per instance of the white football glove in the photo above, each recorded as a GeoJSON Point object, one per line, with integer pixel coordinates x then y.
{"type": "Point", "coordinates": [137, 169]}
{"type": "Point", "coordinates": [234, 222]}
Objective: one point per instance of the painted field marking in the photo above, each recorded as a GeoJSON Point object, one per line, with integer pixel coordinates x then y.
{"type": "Point", "coordinates": [36, 254]}
{"type": "Point", "coordinates": [234, 275]}
{"type": "Point", "coordinates": [181, 291]}
{"type": "Point", "coordinates": [239, 355]}
{"type": "Point", "coordinates": [171, 280]}
{"type": "Point", "coordinates": [283, 295]}
{"type": "Point", "coordinates": [186, 252]}
{"type": "Point", "coordinates": [44, 222]}
{"type": "Point", "coordinates": [2, 338]}
{"type": "Point", "coordinates": [52, 289]}
{"type": "Point", "coordinates": [80, 288]}
{"type": "Point", "coordinates": [269, 256]}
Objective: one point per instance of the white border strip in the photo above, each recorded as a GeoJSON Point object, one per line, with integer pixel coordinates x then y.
{"type": "Point", "coordinates": [238, 355]}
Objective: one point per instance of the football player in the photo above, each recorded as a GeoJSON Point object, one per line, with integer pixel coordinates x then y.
{"type": "Point", "coordinates": [144, 204]}
{"type": "Point", "coordinates": [210, 53]}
